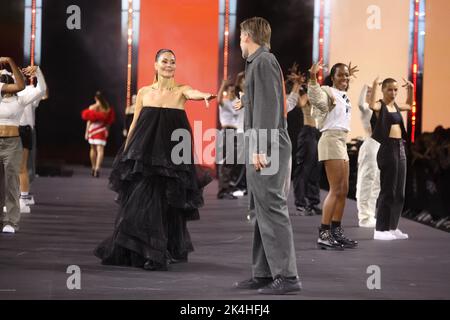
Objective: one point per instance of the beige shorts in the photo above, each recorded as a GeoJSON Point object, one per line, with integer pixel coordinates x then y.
{"type": "Point", "coordinates": [333, 145]}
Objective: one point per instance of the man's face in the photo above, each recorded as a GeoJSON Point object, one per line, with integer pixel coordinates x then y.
{"type": "Point", "coordinates": [244, 44]}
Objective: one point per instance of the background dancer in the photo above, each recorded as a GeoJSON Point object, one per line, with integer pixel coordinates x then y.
{"type": "Point", "coordinates": [333, 105]}
{"type": "Point", "coordinates": [26, 129]}
{"type": "Point", "coordinates": [11, 109]}
{"type": "Point", "coordinates": [99, 117]}
{"type": "Point", "coordinates": [368, 176]}
{"type": "Point", "coordinates": [390, 132]}
{"type": "Point", "coordinates": [306, 177]}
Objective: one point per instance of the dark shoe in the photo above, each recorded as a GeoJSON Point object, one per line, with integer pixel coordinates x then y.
{"type": "Point", "coordinates": [282, 286]}
{"type": "Point", "coordinates": [227, 196]}
{"type": "Point", "coordinates": [315, 210]}
{"type": "Point", "coordinates": [154, 266]}
{"type": "Point", "coordinates": [178, 259]}
{"type": "Point", "coordinates": [303, 211]}
{"type": "Point", "coordinates": [96, 174]}
{"type": "Point", "coordinates": [326, 241]}
{"type": "Point", "coordinates": [338, 234]}
{"type": "Point", "coordinates": [93, 172]}
{"type": "Point", "coordinates": [253, 283]}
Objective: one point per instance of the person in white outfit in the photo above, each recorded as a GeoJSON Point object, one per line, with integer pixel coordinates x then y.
{"type": "Point", "coordinates": [11, 110]}
{"type": "Point", "coordinates": [26, 127]}
{"type": "Point", "coordinates": [368, 179]}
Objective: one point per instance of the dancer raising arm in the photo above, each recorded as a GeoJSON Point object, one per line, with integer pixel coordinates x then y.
{"type": "Point", "coordinates": [390, 132]}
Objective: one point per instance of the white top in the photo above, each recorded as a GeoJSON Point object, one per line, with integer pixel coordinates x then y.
{"type": "Point", "coordinates": [339, 117]}
{"type": "Point", "coordinates": [366, 112]}
{"type": "Point", "coordinates": [12, 108]}
{"type": "Point", "coordinates": [28, 116]}
{"type": "Point", "coordinates": [229, 117]}
{"type": "Point", "coordinates": [292, 100]}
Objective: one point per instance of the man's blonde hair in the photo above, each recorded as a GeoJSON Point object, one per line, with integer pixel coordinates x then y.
{"type": "Point", "coordinates": [258, 29]}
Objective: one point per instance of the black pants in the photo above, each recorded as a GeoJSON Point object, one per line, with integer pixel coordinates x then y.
{"type": "Point", "coordinates": [391, 159]}
{"type": "Point", "coordinates": [307, 172]}
{"type": "Point", "coordinates": [228, 168]}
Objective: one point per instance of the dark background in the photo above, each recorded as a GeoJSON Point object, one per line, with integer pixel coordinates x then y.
{"type": "Point", "coordinates": [77, 63]}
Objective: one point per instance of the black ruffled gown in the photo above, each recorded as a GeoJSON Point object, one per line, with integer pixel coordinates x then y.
{"type": "Point", "coordinates": [156, 196]}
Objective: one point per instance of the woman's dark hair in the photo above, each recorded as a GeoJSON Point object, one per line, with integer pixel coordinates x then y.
{"type": "Point", "coordinates": [102, 100]}
{"type": "Point", "coordinates": [7, 79]}
{"type": "Point", "coordinates": [329, 79]}
{"type": "Point", "coordinates": [237, 83]}
{"type": "Point", "coordinates": [387, 81]}
{"type": "Point", "coordinates": [161, 51]}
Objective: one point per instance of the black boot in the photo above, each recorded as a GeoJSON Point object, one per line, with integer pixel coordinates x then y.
{"type": "Point", "coordinates": [327, 241]}
{"type": "Point", "coordinates": [338, 234]}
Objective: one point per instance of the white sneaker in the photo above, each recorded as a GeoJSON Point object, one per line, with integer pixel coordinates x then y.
{"type": "Point", "coordinates": [370, 223]}
{"type": "Point", "coordinates": [8, 229]}
{"type": "Point", "coordinates": [28, 200]}
{"type": "Point", "coordinates": [23, 207]}
{"type": "Point", "coordinates": [383, 235]}
{"type": "Point", "coordinates": [238, 193]}
{"type": "Point", "coordinates": [398, 234]}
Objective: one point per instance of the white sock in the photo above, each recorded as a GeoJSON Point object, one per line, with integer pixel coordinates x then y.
{"type": "Point", "coordinates": [23, 194]}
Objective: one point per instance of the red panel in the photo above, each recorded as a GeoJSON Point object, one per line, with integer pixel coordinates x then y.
{"type": "Point", "coordinates": [190, 29]}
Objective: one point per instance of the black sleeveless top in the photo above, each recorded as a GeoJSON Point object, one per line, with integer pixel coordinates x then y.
{"type": "Point", "coordinates": [381, 125]}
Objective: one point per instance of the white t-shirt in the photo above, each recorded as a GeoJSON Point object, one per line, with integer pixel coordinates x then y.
{"type": "Point", "coordinates": [28, 116]}
{"type": "Point", "coordinates": [339, 118]}
{"type": "Point", "coordinates": [11, 108]}
{"type": "Point", "coordinates": [229, 117]}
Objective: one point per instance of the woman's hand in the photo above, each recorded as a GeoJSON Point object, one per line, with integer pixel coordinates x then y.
{"type": "Point", "coordinates": [376, 83]}
{"type": "Point", "coordinates": [352, 70]}
{"type": "Point", "coordinates": [4, 60]}
{"type": "Point", "coordinates": [238, 104]}
{"type": "Point", "coordinates": [316, 67]}
{"type": "Point", "coordinates": [408, 84]}
{"type": "Point", "coordinates": [29, 71]}
{"type": "Point", "coordinates": [208, 98]}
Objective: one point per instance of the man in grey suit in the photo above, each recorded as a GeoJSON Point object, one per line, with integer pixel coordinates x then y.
{"type": "Point", "coordinates": [268, 173]}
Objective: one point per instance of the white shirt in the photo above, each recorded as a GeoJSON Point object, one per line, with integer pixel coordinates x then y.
{"type": "Point", "coordinates": [339, 118]}
{"type": "Point", "coordinates": [28, 116]}
{"type": "Point", "coordinates": [11, 108]}
{"type": "Point", "coordinates": [366, 112]}
{"type": "Point", "coordinates": [229, 117]}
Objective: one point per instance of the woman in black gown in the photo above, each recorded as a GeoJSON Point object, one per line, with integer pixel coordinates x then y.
{"type": "Point", "coordinates": [156, 195]}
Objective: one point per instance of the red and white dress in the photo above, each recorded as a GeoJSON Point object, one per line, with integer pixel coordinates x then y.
{"type": "Point", "coordinates": [98, 129]}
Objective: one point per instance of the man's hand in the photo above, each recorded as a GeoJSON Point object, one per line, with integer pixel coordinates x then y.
{"type": "Point", "coordinates": [259, 161]}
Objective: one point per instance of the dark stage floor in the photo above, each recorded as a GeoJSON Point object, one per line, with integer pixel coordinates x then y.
{"type": "Point", "coordinates": [74, 214]}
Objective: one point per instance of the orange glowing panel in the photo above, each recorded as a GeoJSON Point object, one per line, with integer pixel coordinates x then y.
{"type": "Point", "coordinates": [190, 29]}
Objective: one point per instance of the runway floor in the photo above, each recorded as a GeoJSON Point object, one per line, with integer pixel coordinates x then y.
{"type": "Point", "coordinates": [73, 214]}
